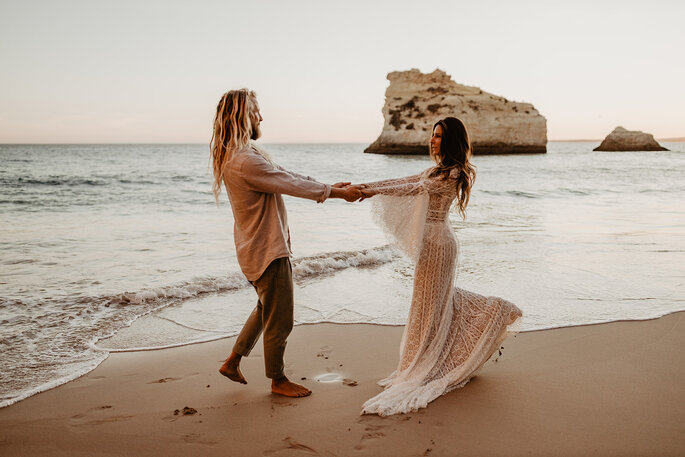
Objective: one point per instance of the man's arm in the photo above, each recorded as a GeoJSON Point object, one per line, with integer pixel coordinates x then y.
{"type": "Point", "coordinates": [262, 176]}
{"type": "Point", "coordinates": [351, 195]}
{"type": "Point", "coordinates": [297, 175]}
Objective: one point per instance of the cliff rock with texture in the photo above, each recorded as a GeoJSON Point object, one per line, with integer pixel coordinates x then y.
{"type": "Point", "coordinates": [414, 101]}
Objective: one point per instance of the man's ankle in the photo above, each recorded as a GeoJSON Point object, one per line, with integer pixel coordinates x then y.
{"type": "Point", "coordinates": [280, 379]}
{"type": "Point", "coordinates": [234, 358]}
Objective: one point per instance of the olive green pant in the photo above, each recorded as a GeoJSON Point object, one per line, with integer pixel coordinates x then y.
{"type": "Point", "coordinates": [273, 315]}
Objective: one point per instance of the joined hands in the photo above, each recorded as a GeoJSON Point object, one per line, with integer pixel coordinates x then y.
{"type": "Point", "coordinates": [349, 192]}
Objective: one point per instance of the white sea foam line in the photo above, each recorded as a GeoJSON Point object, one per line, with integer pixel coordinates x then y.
{"type": "Point", "coordinates": [55, 382]}
{"type": "Point", "coordinates": [385, 322]}
{"type": "Point", "coordinates": [303, 268]}
{"type": "Point", "coordinates": [189, 327]}
{"type": "Point", "coordinates": [325, 263]}
{"type": "Point", "coordinates": [205, 339]}
{"type": "Point", "coordinates": [219, 336]}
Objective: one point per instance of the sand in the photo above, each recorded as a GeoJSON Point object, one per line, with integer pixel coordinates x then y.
{"type": "Point", "coordinates": [606, 389]}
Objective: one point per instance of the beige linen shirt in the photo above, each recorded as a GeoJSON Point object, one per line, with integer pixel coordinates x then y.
{"type": "Point", "coordinates": [254, 189]}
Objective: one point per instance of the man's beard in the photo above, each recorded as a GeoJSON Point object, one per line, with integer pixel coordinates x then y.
{"type": "Point", "coordinates": [256, 132]}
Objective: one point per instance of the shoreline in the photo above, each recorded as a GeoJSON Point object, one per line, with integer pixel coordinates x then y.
{"type": "Point", "coordinates": [607, 388]}
{"type": "Point", "coordinates": [56, 383]}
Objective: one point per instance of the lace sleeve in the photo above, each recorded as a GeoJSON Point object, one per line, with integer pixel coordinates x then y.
{"type": "Point", "coordinates": [410, 185]}
{"type": "Point", "coordinates": [399, 207]}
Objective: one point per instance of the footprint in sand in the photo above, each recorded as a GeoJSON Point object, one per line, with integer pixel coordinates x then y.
{"type": "Point", "coordinates": [197, 438]}
{"type": "Point", "coordinates": [371, 432]}
{"type": "Point", "coordinates": [291, 447]}
{"type": "Point", "coordinates": [278, 402]}
{"type": "Point", "coordinates": [281, 401]}
{"type": "Point", "coordinates": [163, 380]}
{"type": "Point", "coordinates": [107, 420]}
{"type": "Point", "coordinates": [90, 410]}
{"type": "Point", "coordinates": [97, 416]}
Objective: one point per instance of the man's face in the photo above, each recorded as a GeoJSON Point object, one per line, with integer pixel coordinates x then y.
{"type": "Point", "coordinates": [255, 120]}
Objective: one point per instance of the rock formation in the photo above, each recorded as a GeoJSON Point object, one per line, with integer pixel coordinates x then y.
{"type": "Point", "coordinates": [629, 140]}
{"type": "Point", "coordinates": [415, 101]}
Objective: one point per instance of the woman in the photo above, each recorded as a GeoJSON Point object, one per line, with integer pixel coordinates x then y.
{"type": "Point", "coordinates": [450, 332]}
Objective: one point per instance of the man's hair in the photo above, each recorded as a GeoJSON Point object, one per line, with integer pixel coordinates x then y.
{"type": "Point", "coordinates": [232, 131]}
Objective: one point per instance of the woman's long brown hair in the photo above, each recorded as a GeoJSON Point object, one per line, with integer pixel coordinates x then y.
{"type": "Point", "coordinates": [455, 154]}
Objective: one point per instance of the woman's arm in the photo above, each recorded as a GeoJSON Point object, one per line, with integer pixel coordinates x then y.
{"type": "Point", "coordinates": [409, 185]}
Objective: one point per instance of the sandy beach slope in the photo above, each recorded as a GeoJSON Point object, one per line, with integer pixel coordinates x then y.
{"type": "Point", "coordinates": [607, 389]}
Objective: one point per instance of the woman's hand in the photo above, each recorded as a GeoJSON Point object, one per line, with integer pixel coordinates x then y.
{"type": "Point", "coordinates": [365, 193]}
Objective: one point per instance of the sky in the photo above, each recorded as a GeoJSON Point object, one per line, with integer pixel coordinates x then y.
{"type": "Point", "coordinates": [153, 71]}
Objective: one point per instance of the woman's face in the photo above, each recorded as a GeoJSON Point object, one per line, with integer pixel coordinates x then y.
{"type": "Point", "coordinates": [435, 144]}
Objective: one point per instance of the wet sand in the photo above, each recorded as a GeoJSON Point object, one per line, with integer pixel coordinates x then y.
{"type": "Point", "coordinates": [606, 389]}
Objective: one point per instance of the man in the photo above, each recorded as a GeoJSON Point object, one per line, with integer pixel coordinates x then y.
{"type": "Point", "coordinates": [254, 185]}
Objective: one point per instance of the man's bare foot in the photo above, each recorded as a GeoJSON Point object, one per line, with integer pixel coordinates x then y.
{"type": "Point", "coordinates": [231, 369]}
{"type": "Point", "coordinates": [284, 386]}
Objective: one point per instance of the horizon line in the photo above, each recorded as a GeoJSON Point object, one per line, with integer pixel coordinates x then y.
{"type": "Point", "coordinates": [85, 143]}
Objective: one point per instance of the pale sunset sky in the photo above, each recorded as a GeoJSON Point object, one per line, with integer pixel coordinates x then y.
{"type": "Point", "coordinates": [152, 71]}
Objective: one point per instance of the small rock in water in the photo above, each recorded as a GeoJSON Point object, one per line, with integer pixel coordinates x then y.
{"type": "Point", "coordinates": [350, 382]}
{"type": "Point", "coordinates": [188, 411]}
{"type": "Point", "coordinates": [626, 140]}
{"type": "Point", "coordinates": [303, 378]}
{"type": "Point", "coordinates": [176, 412]}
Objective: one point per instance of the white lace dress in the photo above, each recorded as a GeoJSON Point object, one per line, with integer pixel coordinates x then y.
{"type": "Point", "coordinates": [450, 332]}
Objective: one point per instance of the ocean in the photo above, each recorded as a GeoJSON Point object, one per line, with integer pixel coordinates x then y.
{"type": "Point", "coordinates": [122, 247]}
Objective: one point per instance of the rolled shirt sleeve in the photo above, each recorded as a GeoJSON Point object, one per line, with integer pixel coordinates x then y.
{"type": "Point", "coordinates": [261, 176]}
